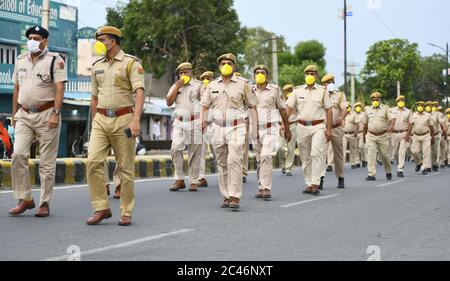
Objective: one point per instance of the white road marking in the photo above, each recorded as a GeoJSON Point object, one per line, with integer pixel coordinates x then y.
{"type": "Point", "coordinates": [123, 245]}
{"type": "Point", "coordinates": [391, 183]}
{"type": "Point", "coordinates": [433, 174]}
{"type": "Point", "coordinates": [308, 201]}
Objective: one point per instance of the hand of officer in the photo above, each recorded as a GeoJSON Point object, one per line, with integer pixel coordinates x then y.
{"type": "Point", "coordinates": [179, 83]}
{"type": "Point", "coordinates": [204, 125]}
{"type": "Point", "coordinates": [135, 128]}
{"type": "Point", "coordinates": [328, 135]}
{"type": "Point", "coordinates": [390, 129]}
{"type": "Point", "coordinates": [288, 135]}
{"type": "Point", "coordinates": [432, 140]}
{"type": "Point", "coordinates": [282, 131]}
{"type": "Point", "coordinates": [53, 123]}
{"type": "Point", "coordinates": [338, 122]}
{"type": "Point", "coordinates": [407, 138]}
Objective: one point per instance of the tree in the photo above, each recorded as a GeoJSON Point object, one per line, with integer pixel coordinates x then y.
{"type": "Point", "coordinates": [431, 81]}
{"type": "Point", "coordinates": [258, 48]}
{"type": "Point", "coordinates": [391, 61]}
{"type": "Point", "coordinates": [164, 33]}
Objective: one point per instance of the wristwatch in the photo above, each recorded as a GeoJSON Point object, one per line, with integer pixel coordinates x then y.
{"type": "Point", "coordinates": [57, 111]}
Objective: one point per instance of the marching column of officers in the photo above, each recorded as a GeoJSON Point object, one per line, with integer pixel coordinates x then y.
{"type": "Point", "coordinates": [222, 116]}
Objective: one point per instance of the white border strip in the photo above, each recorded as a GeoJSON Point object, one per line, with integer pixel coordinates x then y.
{"type": "Point", "coordinates": [309, 201]}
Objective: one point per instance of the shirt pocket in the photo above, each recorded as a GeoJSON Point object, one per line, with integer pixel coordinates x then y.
{"type": "Point", "coordinates": [236, 99]}
{"type": "Point", "coordinates": [121, 79]}
{"type": "Point", "coordinates": [43, 77]}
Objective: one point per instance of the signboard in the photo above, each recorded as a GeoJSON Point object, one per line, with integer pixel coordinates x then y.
{"type": "Point", "coordinates": [6, 78]}
{"type": "Point", "coordinates": [29, 11]}
{"type": "Point", "coordinates": [86, 33]}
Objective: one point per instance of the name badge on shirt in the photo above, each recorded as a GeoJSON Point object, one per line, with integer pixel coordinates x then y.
{"type": "Point", "coordinates": [99, 71]}
{"type": "Point", "coordinates": [215, 92]}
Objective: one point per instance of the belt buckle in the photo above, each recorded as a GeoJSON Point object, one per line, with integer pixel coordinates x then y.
{"type": "Point", "coordinates": [110, 113]}
{"type": "Point", "coordinates": [33, 110]}
{"type": "Point", "coordinates": [308, 123]}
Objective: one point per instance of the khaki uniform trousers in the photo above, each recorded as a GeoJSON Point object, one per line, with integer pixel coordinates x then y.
{"type": "Point", "coordinates": [282, 152]}
{"type": "Point", "coordinates": [286, 153]}
{"type": "Point", "coordinates": [312, 144]}
{"type": "Point", "coordinates": [265, 148]}
{"type": "Point", "coordinates": [399, 147]}
{"type": "Point", "coordinates": [228, 144]}
{"type": "Point", "coordinates": [443, 150]}
{"type": "Point", "coordinates": [187, 133]}
{"type": "Point", "coordinates": [337, 151]}
{"type": "Point", "coordinates": [448, 149]}
{"type": "Point", "coordinates": [421, 150]}
{"type": "Point", "coordinates": [245, 148]}
{"type": "Point", "coordinates": [436, 150]}
{"type": "Point", "coordinates": [107, 133]}
{"type": "Point", "coordinates": [351, 142]}
{"type": "Point", "coordinates": [30, 126]}
{"type": "Point", "coordinates": [380, 144]}
{"type": "Point", "coordinates": [361, 148]}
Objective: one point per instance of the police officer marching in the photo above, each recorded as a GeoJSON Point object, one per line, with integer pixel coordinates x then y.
{"type": "Point", "coordinates": [116, 104]}
{"type": "Point", "coordinates": [39, 78]}
{"type": "Point", "coordinates": [378, 122]}
{"type": "Point", "coordinates": [350, 128]}
{"type": "Point", "coordinates": [313, 105]}
{"type": "Point", "coordinates": [185, 93]}
{"type": "Point", "coordinates": [270, 107]}
{"type": "Point", "coordinates": [339, 110]}
{"type": "Point", "coordinates": [360, 138]}
{"type": "Point", "coordinates": [230, 100]}
{"type": "Point", "coordinates": [423, 137]}
{"type": "Point", "coordinates": [401, 134]}
{"type": "Point", "coordinates": [287, 159]}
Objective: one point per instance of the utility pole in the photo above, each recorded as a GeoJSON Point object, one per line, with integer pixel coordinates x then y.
{"type": "Point", "coordinates": [446, 75]}
{"type": "Point", "coordinates": [398, 89]}
{"type": "Point", "coordinates": [345, 46]}
{"type": "Point", "coordinates": [45, 13]}
{"type": "Point", "coordinates": [352, 85]}
{"type": "Point", "coordinates": [275, 60]}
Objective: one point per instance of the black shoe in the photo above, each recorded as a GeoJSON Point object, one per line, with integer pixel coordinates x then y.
{"type": "Point", "coordinates": [341, 183]}
{"type": "Point", "coordinates": [329, 169]}
{"type": "Point", "coordinates": [428, 170]}
{"type": "Point", "coordinates": [446, 163]}
{"type": "Point", "coordinates": [283, 171]}
{"type": "Point", "coordinates": [424, 173]}
{"type": "Point", "coordinates": [321, 183]}
{"type": "Point", "coordinates": [358, 165]}
{"type": "Point", "coordinates": [353, 167]}
{"type": "Point", "coordinates": [400, 174]}
{"type": "Point", "coordinates": [435, 168]}
{"type": "Point", "coordinates": [364, 164]}
{"type": "Point", "coordinates": [379, 163]}
{"type": "Point", "coordinates": [418, 168]}
{"type": "Point", "coordinates": [389, 177]}
{"type": "Point", "coordinates": [244, 179]}
{"type": "Point", "coordinates": [442, 166]}
{"type": "Point", "coordinates": [370, 178]}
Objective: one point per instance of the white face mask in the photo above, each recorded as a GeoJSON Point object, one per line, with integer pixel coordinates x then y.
{"type": "Point", "coordinates": [331, 87]}
{"type": "Point", "coordinates": [33, 46]}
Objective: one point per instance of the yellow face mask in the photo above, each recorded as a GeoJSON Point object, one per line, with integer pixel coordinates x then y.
{"type": "Point", "coordinates": [434, 109]}
{"type": "Point", "coordinates": [260, 79]}
{"type": "Point", "coordinates": [358, 109]}
{"type": "Point", "coordinates": [448, 116]}
{"type": "Point", "coordinates": [310, 80]}
{"type": "Point", "coordinates": [375, 103]}
{"type": "Point", "coordinates": [428, 109]}
{"type": "Point", "coordinates": [420, 109]}
{"type": "Point", "coordinates": [100, 49]}
{"type": "Point", "coordinates": [186, 79]}
{"type": "Point", "coordinates": [349, 109]}
{"type": "Point", "coordinates": [206, 82]}
{"type": "Point", "coordinates": [226, 70]}
{"type": "Point", "coordinates": [401, 104]}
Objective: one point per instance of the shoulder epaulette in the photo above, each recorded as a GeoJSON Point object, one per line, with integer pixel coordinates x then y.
{"type": "Point", "coordinates": [133, 57]}
{"type": "Point", "coordinates": [241, 78]}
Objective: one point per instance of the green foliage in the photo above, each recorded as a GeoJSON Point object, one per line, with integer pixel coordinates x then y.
{"type": "Point", "coordinates": [164, 33]}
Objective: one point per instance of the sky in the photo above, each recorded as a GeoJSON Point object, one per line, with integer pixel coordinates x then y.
{"type": "Point", "coordinates": [418, 21]}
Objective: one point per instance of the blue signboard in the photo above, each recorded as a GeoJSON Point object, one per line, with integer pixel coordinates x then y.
{"type": "Point", "coordinates": [6, 78]}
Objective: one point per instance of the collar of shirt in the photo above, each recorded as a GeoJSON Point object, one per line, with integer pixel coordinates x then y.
{"type": "Point", "coordinates": [233, 78]}
{"type": "Point", "coordinates": [306, 86]}
{"type": "Point", "coordinates": [255, 87]}
{"type": "Point", "coordinates": [41, 55]}
{"type": "Point", "coordinates": [119, 56]}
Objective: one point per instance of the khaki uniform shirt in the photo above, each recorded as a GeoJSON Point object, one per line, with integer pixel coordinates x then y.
{"type": "Point", "coordinates": [311, 104]}
{"type": "Point", "coordinates": [377, 119]}
{"type": "Point", "coordinates": [403, 117]}
{"type": "Point", "coordinates": [113, 85]}
{"type": "Point", "coordinates": [187, 102]}
{"type": "Point", "coordinates": [34, 79]}
{"type": "Point", "coordinates": [293, 116]}
{"type": "Point", "coordinates": [421, 123]}
{"type": "Point", "coordinates": [231, 101]}
{"type": "Point", "coordinates": [339, 101]}
{"type": "Point", "coordinates": [350, 124]}
{"type": "Point", "coordinates": [269, 103]}
{"type": "Point", "coordinates": [359, 119]}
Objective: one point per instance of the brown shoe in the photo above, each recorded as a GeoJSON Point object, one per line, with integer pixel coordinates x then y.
{"type": "Point", "coordinates": [117, 192]}
{"type": "Point", "coordinates": [234, 204]}
{"type": "Point", "coordinates": [43, 211]}
{"type": "Point", "coordinates": [226, 203]}
{"type": "Point", "coordinates": [22, 206]}
{"type": "Point", "coordinates": [125, 221]}
{"type": "Point", "coordinates": [99, 216]}
{"type": "Point", "coordinates": [315, 190]}
{"type": "Point", "coordinates": [307, 190]}
{"type": "Point", "coordinates": [178, 185]}
{"type": "Point", "coordinates": [203, 183]}
{"type": "Point", "coordinates": [259, 195]}
{"type": "Point", "coordinates": [267, 194]}
{"type": "Point", "coordinates": [193, 188]}
{"type": "Point", "coordinates": [107, 190]}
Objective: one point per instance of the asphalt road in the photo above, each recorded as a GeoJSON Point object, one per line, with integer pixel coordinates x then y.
{"type": "Point", "coordinates": [404, 219]}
